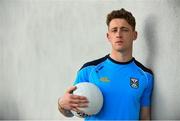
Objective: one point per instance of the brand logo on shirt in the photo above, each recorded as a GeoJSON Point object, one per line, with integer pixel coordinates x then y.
{"type": "Point", "coordinates": [104, 79]}
{"type": "Point", "coordinates": [134, 83]}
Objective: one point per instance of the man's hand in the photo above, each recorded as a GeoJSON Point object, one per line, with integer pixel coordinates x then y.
{"type": "Point", "coordinates": [145, 113]}
{"type": "Point", "coordinates": [72, 102]}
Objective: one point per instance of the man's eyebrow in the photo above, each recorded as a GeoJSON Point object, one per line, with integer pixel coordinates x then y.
{"type": "Point", "coordinates": [123, 27]}
{"type": "Point", "coordinates": [114, 28]}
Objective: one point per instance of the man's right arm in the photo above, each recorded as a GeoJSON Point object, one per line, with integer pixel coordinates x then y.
{"type": "Point", "coordinates": [65, 112]}
{"type": "Point", "coordinates": [69, 102]}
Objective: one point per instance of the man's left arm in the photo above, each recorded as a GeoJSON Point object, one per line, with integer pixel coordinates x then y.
{"type": "Point", "coordinates": [145, 113]}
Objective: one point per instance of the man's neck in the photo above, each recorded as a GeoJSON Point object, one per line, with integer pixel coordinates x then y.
{"type": "Point", "coordinates": [121, 57]}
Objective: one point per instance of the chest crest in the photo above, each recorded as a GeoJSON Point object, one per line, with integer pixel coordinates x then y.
{"type": "Point", "coordinates": [134, 83]}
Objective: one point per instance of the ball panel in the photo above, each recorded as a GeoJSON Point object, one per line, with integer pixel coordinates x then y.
{"type": "Point", "coordinates": [94, 96]}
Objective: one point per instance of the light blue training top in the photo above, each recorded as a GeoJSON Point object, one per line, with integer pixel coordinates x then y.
{"type": "Point", "coordinates": [126, 87]}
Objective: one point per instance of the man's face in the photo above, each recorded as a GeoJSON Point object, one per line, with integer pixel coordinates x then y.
{"type": "Point", "coordinates": [121, 35]}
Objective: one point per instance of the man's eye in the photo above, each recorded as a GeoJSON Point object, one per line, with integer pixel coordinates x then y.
{"type": "Point", "coordinates": [114, 30]}
{"type": "Point", "coordinates": [125, 30]}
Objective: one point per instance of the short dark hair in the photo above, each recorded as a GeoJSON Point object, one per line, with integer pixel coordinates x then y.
{"type": "Point", "coordinates": [123, 14]}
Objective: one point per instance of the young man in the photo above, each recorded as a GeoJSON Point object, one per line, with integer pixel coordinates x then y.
{"type": "Point", "coordinates": [125, 83]}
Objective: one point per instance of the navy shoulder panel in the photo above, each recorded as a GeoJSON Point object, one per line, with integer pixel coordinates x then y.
{"type": "Point", "coordinates": [95, 62]}
{"type": "Point", "coordinates": [143, 67]}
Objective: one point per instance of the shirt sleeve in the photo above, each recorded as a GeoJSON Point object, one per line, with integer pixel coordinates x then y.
{"type": "Point", "coordinates": [82, 75]}
{"type": "Point", "coordinates": [146, 97]}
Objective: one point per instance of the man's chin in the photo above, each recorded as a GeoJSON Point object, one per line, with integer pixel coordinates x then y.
{"type": "Point", "coordinates": [120, 49]}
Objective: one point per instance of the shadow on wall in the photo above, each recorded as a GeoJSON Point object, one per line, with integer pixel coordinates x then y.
{"type": "Point", "coordinates": [151, 39]}
{"type": "Point", "coordinates": [150, 31]}
{"type": "Point", "coordinates": [159, 103]}
{"type": "Point", "coordinates": [8, 109]}
{"type": "Point", "coordinates": [174, 5]}
{"type": "Point", "coordinates": [174, 2]}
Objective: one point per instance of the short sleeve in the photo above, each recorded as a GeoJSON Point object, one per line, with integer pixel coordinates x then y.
{"type": "Point", "coordinates": [146, 97]}
{"type": "Point", "coordinates": [82, 75]}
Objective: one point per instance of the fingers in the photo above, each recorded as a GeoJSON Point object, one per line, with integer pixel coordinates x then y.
{"type": "Point", "coordinates": [71, 89]}
{"type": "Point", "coordinates": [79, 101]}
{"type": "Point", "coordinates": [78, 97]}
{"type": "Point", "coordinates": [79, 105]}
{"type": "Point", "coordinates": [70, 101]}
{"type": "Point", "coordinates": [75, 109]}
{"type": "Point", "coordinates": [83, 105]}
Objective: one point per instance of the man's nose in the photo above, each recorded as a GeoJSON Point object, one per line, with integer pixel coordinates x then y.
{"type": "Point", "coordinates": [119, 34]}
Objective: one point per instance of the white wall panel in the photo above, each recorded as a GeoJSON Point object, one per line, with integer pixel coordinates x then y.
{"type": "Point", "coordinates": [43, 43]}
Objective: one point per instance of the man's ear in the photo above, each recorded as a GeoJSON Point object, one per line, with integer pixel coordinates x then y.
{"type": "Point", "coordinates": [135, 35]}
{"type": "Point", "coordinates": [107, 35]}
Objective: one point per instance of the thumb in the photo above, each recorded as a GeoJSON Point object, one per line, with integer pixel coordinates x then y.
{"type": "Point", "coordinates": [71, 89]}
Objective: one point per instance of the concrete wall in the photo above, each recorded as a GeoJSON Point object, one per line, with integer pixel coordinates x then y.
{"type": "Point", "coordinates": [44, 42]}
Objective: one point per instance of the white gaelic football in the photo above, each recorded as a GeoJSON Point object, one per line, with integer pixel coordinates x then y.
{"type": "Point", "coordinates": [94, 96]}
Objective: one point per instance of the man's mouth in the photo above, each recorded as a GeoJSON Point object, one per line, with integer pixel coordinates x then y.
{"type": "Point", "coordinates": [119, 42]}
